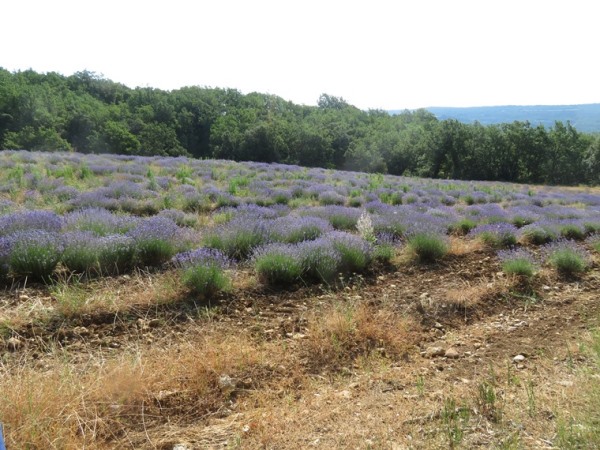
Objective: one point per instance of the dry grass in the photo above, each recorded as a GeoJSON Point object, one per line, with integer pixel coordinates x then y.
{"type": "Point", "coordinates": [349, 376]}
{"type": "Point", "coordinates": [462, 246]}
{"type": "Point", "coordinates": [71, 298]}
{"type": "Point", "coordinates": [114, 295]}
{"type": "Point", "coordinates": [342, 332]}
{"type": "Point", "coordinates": [90, 405]}
{"type": "Point", "coordinates": [470, 295]}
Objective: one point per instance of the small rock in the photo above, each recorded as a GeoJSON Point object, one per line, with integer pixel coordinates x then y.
{"type": "Point", "coordinates": [14, 344]}
{"type": "Point", "coordinates": [438, 325]}
{"type": "Point", "coordinates": [81, 331]}
{"type": "Point", "coordinates": [432, 352]}
{"type": "Point", "coordinates": [344, 394]}
{"type": "Point", "coordinates": [181, 447]}
{"type": "Point", "coordinates": [24, 297]}
{"type": "Point", "coordinates": [424, 295]}
{"type": "Point", "coordinates": [519, 358]}
{"type": "Point", "coordinates": [154, 323]}
{"type": "Point", "coordinates": [226, 384]}
{"type": "Point", "coordinates": [477, 345]}
{"type": "Point", "coordinates": [452, 353]}
{"type": "Point", "coordinates": [437, 332]}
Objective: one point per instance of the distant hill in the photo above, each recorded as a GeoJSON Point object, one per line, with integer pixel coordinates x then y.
{"type": "Point", "coordinates": [585, 118]}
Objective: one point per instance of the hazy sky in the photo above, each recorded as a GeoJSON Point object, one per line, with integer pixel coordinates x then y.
{"type": "Point", "coordinates": [376, 54]}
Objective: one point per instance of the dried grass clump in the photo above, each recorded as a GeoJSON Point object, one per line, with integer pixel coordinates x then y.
{"type": "Point", "coordinates": [103, 401]}
{"type": "Point", "coordinates": [341, 333]}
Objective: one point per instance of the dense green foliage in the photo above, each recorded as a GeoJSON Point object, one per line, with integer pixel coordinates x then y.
{"type": "Point", "coordinates": [90, 114]}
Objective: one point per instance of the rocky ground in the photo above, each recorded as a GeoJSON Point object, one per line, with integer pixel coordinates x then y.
{"type": "Point", "coordinates": [454, 354]}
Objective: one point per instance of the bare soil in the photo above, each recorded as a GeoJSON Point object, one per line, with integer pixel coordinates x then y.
{"type": "Point", "coordinates": [408, 356]}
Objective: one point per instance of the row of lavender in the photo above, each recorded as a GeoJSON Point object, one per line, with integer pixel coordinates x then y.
{"type": "Point", "coordinates": [147, 185]}
{"type": "Point", "coordinates": [108, 214]}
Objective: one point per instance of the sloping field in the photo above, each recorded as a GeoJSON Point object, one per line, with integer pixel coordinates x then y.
{"type": "Point", "coordinates": [173, 303]}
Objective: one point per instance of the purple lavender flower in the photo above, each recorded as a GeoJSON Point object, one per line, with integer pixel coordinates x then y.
{"type": "Point", "coordinates": [499, 234]}
{"type": "Point", "coordinates": [340, 217]}
{"type": "Point", "coordinates": [202, 256]}
{"type": "Point", "coordinates": [279, 264]}
{"type": "Point", "coordinates": [30, 220]}
{"type": "Point", "coordinates": [93, 199]}
{"type": "Point", "coordinates": [64, 193]}
{"type": "Point", "coordinates": [320, 259]}
{"type": "Point", "coordinates": [566, 256]}
{"type": "Point", "coordinates": [80, 253]}
{"type": "Point", "coordinates": [240, 236]}
{"type": "Point", "coordinates": [116, 254]}
{"type": "Point", "coordinates": [5, 249]}
{"type": "Point", "coordinates": [355, 252]}
{"type": "Point", "coordinates": [518, 261]}
{"type": "Point", "coordinates": [331, 197]}
{"type": "Point", "coordinates": [291, 229]}
{"type": "Point", "coordinates": [35, 253]}
{"type": "Point", "coordinates": [99, 221]}
{"type": "Point", "coordinates": [157, 239]}
{"type": "Point", "coordinates": [523, 215]}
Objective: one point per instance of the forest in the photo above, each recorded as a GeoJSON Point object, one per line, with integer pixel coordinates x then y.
{"type": "Point", "coordinates": [88, 113]}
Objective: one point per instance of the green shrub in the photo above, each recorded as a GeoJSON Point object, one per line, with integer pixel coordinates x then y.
{"type": "Point", "coordinates": [517, 262]}
{"type": "Point", "coordinates": [383, 253]}
{"type": "Point", "coordinates": [566, 257]}
{"type": "Point", "coordinates": [35, 253]}
{"type": "Point", "coordinates": [81, 252]}
{"type": "Point", "coordinates": [463, 226]}
{"type": "Point", "coordinates": [154, 251]}
{"type": "Point", "coordinates": [536, 235]}
{"type": "Point", "coordinates": [428, 247]}
{"type": "Point", "coordinates": [205, 280]}
{"type": "Point", "coordinates": [278, 265]}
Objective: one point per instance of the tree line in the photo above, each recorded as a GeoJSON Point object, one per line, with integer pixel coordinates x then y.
{"type": "Point", "coordinates": [87, 113]}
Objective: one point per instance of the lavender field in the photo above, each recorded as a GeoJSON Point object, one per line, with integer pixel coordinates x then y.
{"type": "Point", "coordinates": [153, 302]}
{"type": "Point", "coordinates": [108, 214]}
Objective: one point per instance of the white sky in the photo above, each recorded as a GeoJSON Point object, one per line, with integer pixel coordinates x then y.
{"type": "Point", "coordinates": [375, 53]}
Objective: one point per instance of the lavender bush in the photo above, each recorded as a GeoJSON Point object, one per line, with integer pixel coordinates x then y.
{"type": "Point", "coordinates": [566, 257]}
{"type": "Point", "coordinates": [203, 270]}
{"type": "Point", "coordinates": [239, 237]}
{"type": "Point", "coordinates": [116, 254]}
{"type": "Point", "coordinates": [99, 221]}
{"type": "Point", "coordinates": [292, 229]}
{"type": "Point", "coordinates": [30, 220]}
{"type": "Point", "coordinates": [81, 251]}
{"type": "Point", "coordinates": [518, 261]}
{"type": "Point", "coordinates": [279, 264]}
{"type": "Point", "coordinates": [156, 240]}
{"type": "Point", "coordinates": [355, 252]}
{"type": "Point", "coordinates": [498, 235]}
{"type": "Point", "coordinates": [428, 245]}
{"type": "Point", "coordinates": [5, 250]}
{"type": "Point", "coordinates": [538, 234]}
{"type": "Point", "coordinates": [35, 253]}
